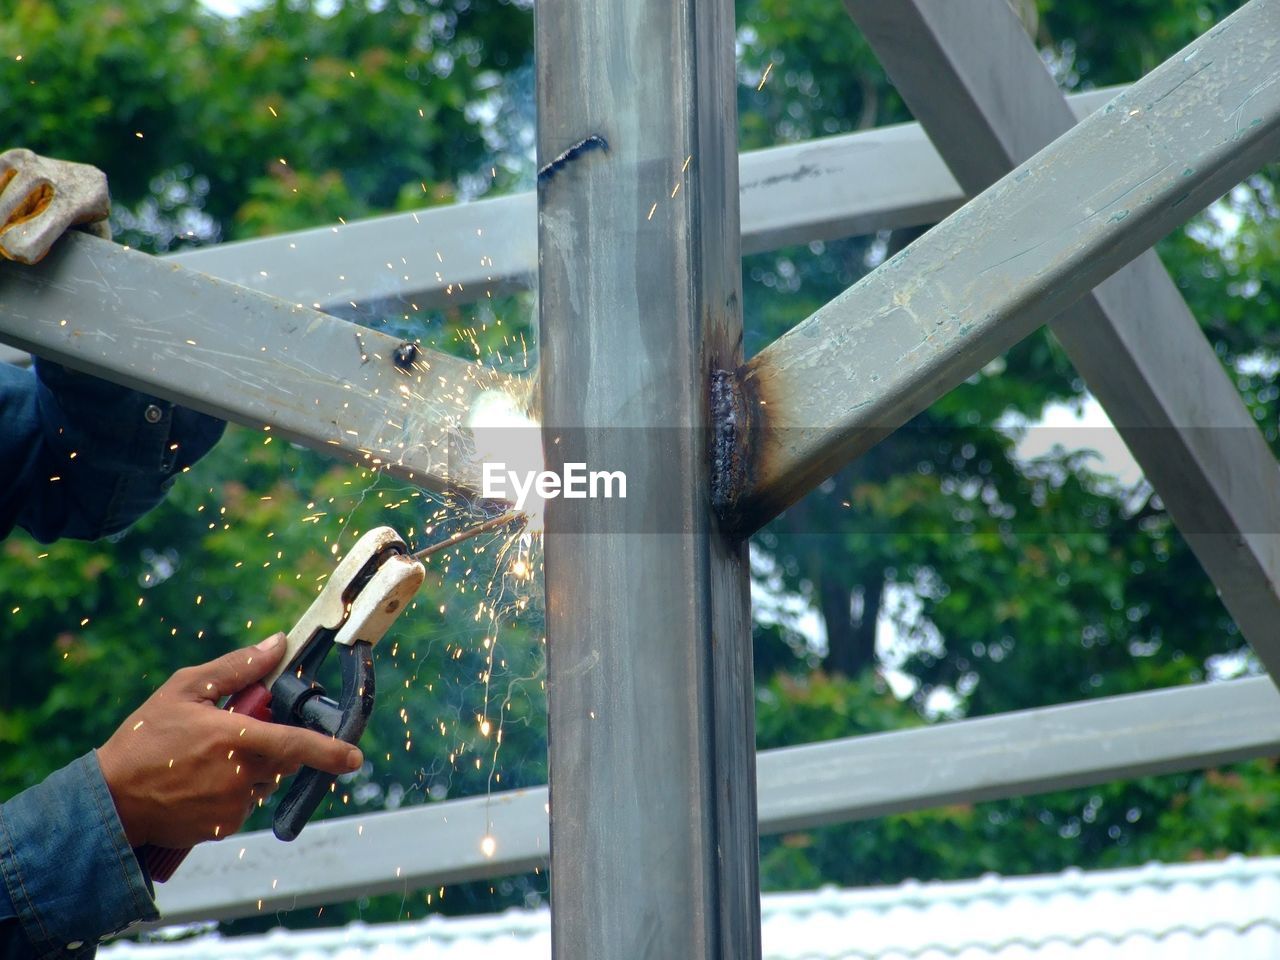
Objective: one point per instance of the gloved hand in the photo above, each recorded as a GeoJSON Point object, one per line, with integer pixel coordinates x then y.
{"type": "Point", "coordinates": [40, 198]}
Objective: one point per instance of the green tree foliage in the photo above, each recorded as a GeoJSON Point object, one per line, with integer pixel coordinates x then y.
{"type": "Point", "coordinates": [1029, 583]}
{"type": "Point", "coordinates": [202, 121]}
{"type": "Point", "coordinates": [1009, 584]}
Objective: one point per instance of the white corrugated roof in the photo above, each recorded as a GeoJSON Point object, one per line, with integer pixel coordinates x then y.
{"type": "Point", "coordinates": [1204, 911]}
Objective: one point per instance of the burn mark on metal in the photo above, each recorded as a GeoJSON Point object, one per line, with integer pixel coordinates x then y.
{"type": "Point", "coordinates": [806, 171]}
{"type": "Point", "coordinates": [405, 355]}
{"type": "Point", "coordinates": [593, 142]}
{"type": "Point", "coordinates": [730, 439]}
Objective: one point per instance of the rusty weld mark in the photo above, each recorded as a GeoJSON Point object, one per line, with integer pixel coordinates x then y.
{"type": "Point", "coordinates": [730, 442]}
{"type": "Point", "coordinates": [593, 142]}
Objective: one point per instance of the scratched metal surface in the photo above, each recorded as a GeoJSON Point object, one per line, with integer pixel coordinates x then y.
{"type": "Point", "coordinates": [855, 778]}
{"type": "Point", "coordinates": [243, 356]}
{"type": "Point", "coordinates": [1133, 339]}
{"type": "Point", "coordinates": [1012, 258]}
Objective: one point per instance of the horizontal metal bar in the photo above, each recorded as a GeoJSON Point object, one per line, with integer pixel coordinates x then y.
{"type": "Point", "coordinates": [977, 83]}
{"type": "Point", "coordinates": [844, 186]}
{"type": "Point", "coordinates": [885, 178]}
{"type": "Point", "coordinates": [1031, 751]}
{"type": "Point", "coordinates": [1015, 754]}
{"type": "Point", "coordinates": [444, 255]}
{"type": "Point", "coordinates": [879, 179]}
{"type": "Point", "coordinates": [240, 355]}
{"type": "Point", "coordinates": [334, 860]}
{"type": "Point", "coordinates": [1006, 262]}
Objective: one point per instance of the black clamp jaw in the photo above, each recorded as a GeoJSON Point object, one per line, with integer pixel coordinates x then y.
{"type": "Point", "coordinates": [370, 588]}
{"type": "Point", "coordinates": [300, 701]}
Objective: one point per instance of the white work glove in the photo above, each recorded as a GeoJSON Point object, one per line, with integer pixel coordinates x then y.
{"type": "Point", "coordinates": [41, 198]}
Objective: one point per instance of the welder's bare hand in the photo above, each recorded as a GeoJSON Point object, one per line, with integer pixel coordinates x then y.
{"type": "Point", "coordinates": [181, 771]}
{"type": "Point", "coordinates": [41, 198]}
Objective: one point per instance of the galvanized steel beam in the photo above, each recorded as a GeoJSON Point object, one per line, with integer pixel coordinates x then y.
{"type": "Point", "coordinates": [358, 856]}
{"type": "Point", "coordinates": [975, 81]}
{"type": "Point", "coordinates": [1005, 263]}
{"type": "Point", "coordinates": [886, 178]}
{"type": "Point", "coordinates": [1019, 753]}
{"type": "Point", "coordinates": [1027, 752]}
{"type": "Point", "coordinates": [649, 677]}
{"type": "Point", "coordinates": [247, 357]}
{"type": "Point", "coordinates": [432, 258]}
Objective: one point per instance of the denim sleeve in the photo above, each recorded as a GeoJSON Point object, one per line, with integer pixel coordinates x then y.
{"type": "Point", "coordinates": [88, 457]}
{"type": "Point", "coordinates": [69, 875]}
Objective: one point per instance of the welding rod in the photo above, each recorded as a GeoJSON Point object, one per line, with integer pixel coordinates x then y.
{"type": "Point", "coordinates": [467, 534]}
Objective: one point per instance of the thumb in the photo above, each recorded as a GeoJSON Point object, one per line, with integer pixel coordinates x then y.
{"type": "Point", "coordinates": [232, 671]}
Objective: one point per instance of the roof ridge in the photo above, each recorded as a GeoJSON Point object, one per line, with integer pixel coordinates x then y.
{"type": "Point", "coordinates": [1238, 872]}
{"type": "Point", "coordinates": [1002, 887]}
{"type": "Point", "coordinates": [950, 950]}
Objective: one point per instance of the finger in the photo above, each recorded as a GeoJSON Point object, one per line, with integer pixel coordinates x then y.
{"type": "Point", "coordinates": [230, 672]}
{"type": "Point", "coordinates": [29, 242]}
{"type": "Point", "coordinates": [25, 195]}
{"type": "Point", "coordinates": [259, 794]}
{"type": "Point", "coordinates": [11, 161]}
{"type": "Point", "coordinates": [276, 772]}
{"type": "Point", "coordinates": [36, 203]}
{"type": "Point", "coordinates": [285, 745]}
{"type": "Point", "coordinates": [250, 768]}
{"type": "Point", "coordinates": [16, 158]}
{"type": "Point", "coordinates": [259, 769]}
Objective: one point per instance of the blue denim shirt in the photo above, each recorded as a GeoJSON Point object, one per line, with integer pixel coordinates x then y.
{"type": "Point", "coordinates": [85, 458]}
{"type": "Point", "coordinates": [70, 877]}
{"type": "Point", "coordinates": [81, 458]}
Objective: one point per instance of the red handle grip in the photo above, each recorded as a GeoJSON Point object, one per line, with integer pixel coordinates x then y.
{"type": "Point", "coordinates": [160, 862]}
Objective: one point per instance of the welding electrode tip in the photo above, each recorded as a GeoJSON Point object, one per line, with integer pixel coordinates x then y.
{"type": "Point", "coordinates": [464, 535]}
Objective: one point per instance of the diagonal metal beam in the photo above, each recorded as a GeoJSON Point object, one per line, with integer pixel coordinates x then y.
{"type": "Point", "coordinates": [1031, 751]}
{"type": "Point", "coordinates": [247, 357]}
{"type": "Point", "coordinates": [973, 78]}
{"type": "Point", "coordinates": [1006, 262]}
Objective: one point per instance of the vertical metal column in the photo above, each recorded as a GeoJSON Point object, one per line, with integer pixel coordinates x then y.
{"type": "Point", "coordinates": [653, 816]}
